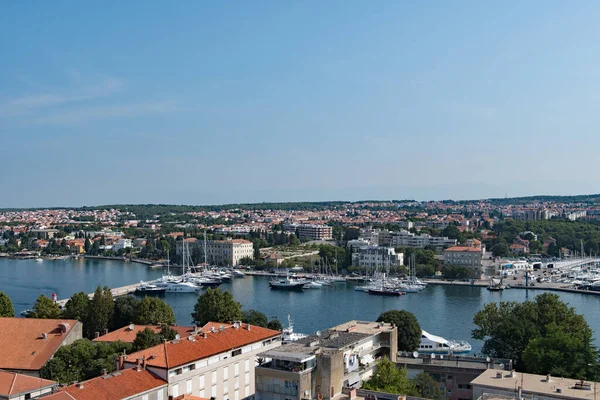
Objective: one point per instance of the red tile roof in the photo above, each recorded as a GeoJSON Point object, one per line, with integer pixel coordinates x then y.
{"type": "Point", "coordinates": [464, 248]}
{"type": "Point", "coordinates": [127, 335]}
{"type": "Point", "coordinates": [12, 383]}
{"type": "Point", "coordinates": [175, 353]}
{"type": "Point", "coordinates": [22, 346]}
{"type": "Point", "coordinates": [115, 386]}
{"type": "Point", "coordinates": [59, 396]}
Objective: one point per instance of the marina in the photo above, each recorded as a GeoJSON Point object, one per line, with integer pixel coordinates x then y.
{"type": "Point", "coordinates": [445, 309]}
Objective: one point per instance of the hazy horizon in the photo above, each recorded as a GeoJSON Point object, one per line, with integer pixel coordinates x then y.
{"type": "Point", "coordinates": [203, 103]}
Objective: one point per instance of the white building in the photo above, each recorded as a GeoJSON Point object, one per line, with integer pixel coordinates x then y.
{"type": "Point", "coordinates": [377, 256]}
{"type": "Point", "coordinates": [220, 252]}
{"type": "Point", "coordinates": [404, 238]}
{"type": "Point", "coordinates": [122, 244]}
{"type": "Point", "coordinates": [218, 361]}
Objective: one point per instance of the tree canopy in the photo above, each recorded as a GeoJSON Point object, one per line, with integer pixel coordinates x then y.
{"type": "Point", "coordinates": [275, 324]}
{"type": "Point", "coordinates": [216, 305]}
{"type": "Point", "coordinates": [409, 330]}
{"type": "Point", "coordinates": [45, 308]}
{"type": "Point", "coordinates": [6, 307]}
{"type": "Point", "coordinates": [77, 307]}
{"type": "Point", "coordinates": [154, 311]}
{"type": "Point", "coordinates": [426, 387]}
{"type": "Point", "coordinates": [99, 312]}
{"type": "Point", "coordinates": [254, 317]}
{"type": "Point", "coordinates": [390, 379]}
{"type": "Point", "coordinates": [543, 336]}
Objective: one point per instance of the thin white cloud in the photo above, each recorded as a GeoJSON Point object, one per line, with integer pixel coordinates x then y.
{"type": "Point", "coordinates": [81, 115]}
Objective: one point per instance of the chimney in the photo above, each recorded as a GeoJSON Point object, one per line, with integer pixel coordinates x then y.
{"type": "Point", "coordinates": [104, 371]}
{"type": "Point", "coordinates": [498, 375]}
{"type": "Point", "coordinates": [96, 335]}
{"type": "Point", "coordinates": [143, 362]}
{"type": "Point", "coordinates": [121, 363]}
{"type": "Point", "coordinates": [105, 332]}
{"type": "Point", "coordinates": [247, 327]}
{"type": "Point", "coordinates": [79, 385]}
{"type": "Point", "coordinates": [548, 378]}
{"type": "Point", "coordinates": [138, 361]}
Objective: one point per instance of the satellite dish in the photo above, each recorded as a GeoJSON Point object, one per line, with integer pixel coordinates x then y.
{"type": "Point", "coordinates": [131, 327]}
{"type": "Point", "coordinates": [415, 354]}
{"type": "Point", "coordinates": [177, 337]}
{"type": "Point", "coordinates": [433, 356]}
{"type": "Point", "coordinates": [441, 357]}
{"type": "Point", "coordinates": [319, 333]}
{"type": "Point", "coordinates": [487, 359]}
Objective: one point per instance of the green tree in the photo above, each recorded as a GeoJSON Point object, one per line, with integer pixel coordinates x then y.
{"type": "Point", "coordinates": [145, 339]}
{"type": "Point", "coordinates": [524, 332]}
{"type": "Point", "coordinates": [100, 312]}
{"type": "Point", "coordinates": [390, 379]}
{"type": "Point", "coordinates": [167, 333]}
{"type": "Point", "coordinates": [6, 307]}
{"type": "Point", "coordinates": [45, 308]}
{"type": "Point", "coordinates": [425, 271]}
{"type": "Point", "coordinates": [216, 305]}
{"type": "Point", "coordinates": [409, 330]}
{"type": "Point", "coordinates": [457, 272]}
{"type": "Point", "coordinates": [451, 232]}
{"type": "Point", "coordinates": [499, 250]}
{"type": "Point", "coordinates": [154, 311]}
{"type": "Point", "coordinates": [254, 317]}
{"type": "Point", "coordinates": [275, 324]}
{"type": "Point", "coordinates": [77, 306]}
{"type": "Point", "coordinates": [125, 311]}
{"type": "Point", "coordinates": [427, 387]}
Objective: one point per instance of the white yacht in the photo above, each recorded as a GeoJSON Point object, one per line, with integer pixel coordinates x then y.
{"type": "Point", "coordinates": [312, 285]}
{"type": "Point", "coordinates": [179, 287]}
{"type": "Point", "coordinates": [288, 335]}
{"type": "Point", "coordinates": [287, 283]}
{"type": "Point", "coordinates": [438, 345]}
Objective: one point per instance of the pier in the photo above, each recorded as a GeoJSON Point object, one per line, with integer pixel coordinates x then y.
{"type": "Point", "coordinates": [116, 292]}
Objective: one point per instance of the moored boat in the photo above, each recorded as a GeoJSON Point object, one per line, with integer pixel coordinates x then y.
{"type": "Point", "coordinates": [438, 345]}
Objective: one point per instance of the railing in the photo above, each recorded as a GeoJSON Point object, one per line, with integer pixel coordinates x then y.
{"type": "Point", "coordinates": [263, 387]}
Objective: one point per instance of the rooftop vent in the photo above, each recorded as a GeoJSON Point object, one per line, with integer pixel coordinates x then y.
{"type": "Point", "coordinates": [499, 375]}
{"type": "Point", "coordinates": [44, 336]}
{"type": "Point", "coordinates": [64, 327]}
{"type": "Point", "coordinates": [191, 338]}
{"type": "Point", "coordinates": [583, 386]}
{"type": "Point", "coordinates": [247, 327]}
{"type": "Point", "coordinates": [79, 385]}
{"type": "Point", "coordinates": [548, 378]}
{"type": "Point", "coordinates": [212, 328]}
{"type": "Point", "coordinates": [558, 390]}
{"type": "Point", "coordinates": [512, 373]}
{"type": "Point", "coordinates": [131, 327]}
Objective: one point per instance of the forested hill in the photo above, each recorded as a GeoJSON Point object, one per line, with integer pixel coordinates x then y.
{"type": "Point", "coordinates": [589, 199]}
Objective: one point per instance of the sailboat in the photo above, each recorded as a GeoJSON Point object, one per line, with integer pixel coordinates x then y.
{"type": "Point", "coordinates": [383, 289]}
{"type": "Point", "coordinates": [181, 284]}
{"type": "Point", "coordinates": [496, 285]}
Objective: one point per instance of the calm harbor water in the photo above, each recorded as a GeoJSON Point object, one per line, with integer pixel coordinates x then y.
{"type": "Point", "coordinates": [442, 310]}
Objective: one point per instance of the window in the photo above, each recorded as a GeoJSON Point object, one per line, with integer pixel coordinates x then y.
{"type": "Point", "coordinates": [247, 391]}
{"type": "Point", "coordinates": [236, 369]}
{"type": "Point", "coordinates": [213, 391]}
{"type": "Point", "coordinates": [213, 379]}
{"type": "Point", "coordinates": [247, 378]}
{"type": "Point", "coordinates": [236, 396]}
{"type": "Point", "coordinates": [175, 390]}
{"type": "Point", "coordinates": [236, 352]}
{"type": "Point", "coordinates": [186, 369]}
{"type": "Point", "coordinates": [236, 382]}
{"type": "Point", "coordinates": [202, 393]}
{"type": "Point", "coordinates": [188, 386]}
{"type": "Point", "coordinates": [225, 389]}
{"type": "Point", "coordinates": [247, 365]}
{"type": "Point", "coordinates": [201, 382]}
{"type": "Point", "coordinates": [145, 397]}
{"type": "Point", "coordinates": [159, 395]}
{"type": "Point", "coordinates": [225, 373]}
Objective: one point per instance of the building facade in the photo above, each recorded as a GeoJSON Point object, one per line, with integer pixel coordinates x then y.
{"type": "Point", "coordinates": [219, 252]}
{"type": "Point", "coordinates": [314, 232]}
{"type": "Point", "coordinates": [404, 238]}
{"type": "Point", "coordinates": [377, 256]}
{"type": "Point", "coordinates": [464, 256]}
{"type": "Point", "coordinates": [320, 365]}
{"type": "Point", "coordinates": [217, 361]}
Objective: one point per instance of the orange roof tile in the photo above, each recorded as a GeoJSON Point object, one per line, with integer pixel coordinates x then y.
{"type": "Point", "coordinates": [172, 354]}
{"type": "Point", "coordinates": [190, 397]}
{"type": "Point", "coordinates": [125, 334]}
{"type": "Point", "coordinates": [59, 396]}
{"type": "Point", "coordinates": [12, 383]}
{"type": "Point", "coordinates": [22, 346]}
{"type": "Point", "coordinates": [464, 248]}
{"type": "Point", "coordinates": [115, 386]}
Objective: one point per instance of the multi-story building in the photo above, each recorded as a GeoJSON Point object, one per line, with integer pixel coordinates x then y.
{"type": "Point", "coordinates": [320, 365]}
{"type": "Point", "coordinates": [314, 232]}
{"type": "Point", "coordinates": [26, 344]}
{"type": "Point", "coordinates": [122, 244]}
{"type": "Point", "coordinates": [405, 239]}
{"type": "Point", "coordinates": [377, 256]}
{"type": "Point", "coordinates": [219, 252]}
{"type": "Point", "coordinates": [494, 384]}
{"type": "Point", "coordinates": [217, 361]}
{"type": "Point", "coordinates": [454, 373]}
{"type": "Point", "coordinates": [465, 256]}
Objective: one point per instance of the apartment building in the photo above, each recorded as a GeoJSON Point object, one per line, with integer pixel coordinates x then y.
{"type": "Point", "coordinates": [26, 344]}
{"type": "Point", "coordinates": [123, 244]}
{"type": "Point", "coordinates": [320, 365]}
{"type": "Point", "coordinates": [465, 256]}
{"type": "Point", "coordinates": [314, 232]}
{"type": "Point", "coordinates": [404, 238]}
{"type": "Point", "coordinates": [219, 252]}
{"type": "Point", "coordinates": [217, 361]}
{"type": "Point", "coordinates": [377, 256]}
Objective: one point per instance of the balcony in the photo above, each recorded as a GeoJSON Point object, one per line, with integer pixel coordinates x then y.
{"type": "Point", "coordinates": [290, 366]}
{"type": "Point", "coordinates": [263, 387]}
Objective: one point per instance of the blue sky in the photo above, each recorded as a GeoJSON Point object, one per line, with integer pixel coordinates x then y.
{"type": "Point", "coordinates": [203, 103]}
